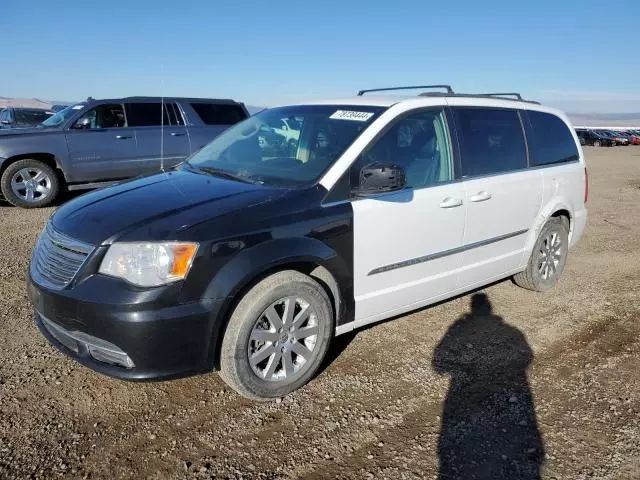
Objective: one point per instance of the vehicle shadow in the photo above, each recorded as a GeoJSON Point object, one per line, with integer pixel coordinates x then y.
{"type": "Point", "coordinates": [489, 428]}
{"type": "Point", "coordinates": [339, 344]}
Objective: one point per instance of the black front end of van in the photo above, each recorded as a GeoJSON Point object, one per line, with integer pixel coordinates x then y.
{"type": "Point", "coordinates": [127, 334]}
{"type": "Point", "coordinates": [125, 330]}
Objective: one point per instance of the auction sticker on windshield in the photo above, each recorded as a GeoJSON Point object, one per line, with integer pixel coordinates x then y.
{"type": "Point", "coordinates": [351, 115]}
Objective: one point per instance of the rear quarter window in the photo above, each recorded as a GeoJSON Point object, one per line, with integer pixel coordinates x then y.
{"type": "Point", "coordinates": [219, 114]}
{"type": "Point", "coordinates": [552, 141]}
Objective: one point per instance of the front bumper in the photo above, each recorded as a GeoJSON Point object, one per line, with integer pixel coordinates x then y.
{"type": "Point", "coordinates": [143, 339]}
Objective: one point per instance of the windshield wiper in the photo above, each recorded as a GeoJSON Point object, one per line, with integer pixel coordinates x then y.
{"type": "Point", "coordinates": [226, 174]}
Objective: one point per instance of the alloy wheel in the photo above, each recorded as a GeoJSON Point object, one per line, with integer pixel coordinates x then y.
{"type": "Point", "coordinates": [549, 255]}
{"type": "Point", "coordinates": [283, 340]}
{"type": "Point", "coordinates": [31, 184]}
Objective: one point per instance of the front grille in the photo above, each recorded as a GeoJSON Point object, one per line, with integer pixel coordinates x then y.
{"type": "Point", "coordinates": [57, 258]}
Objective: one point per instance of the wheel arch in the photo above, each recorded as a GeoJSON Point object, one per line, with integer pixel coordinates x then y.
{"type": "Point", "coordinates": [308, 256]}
{"type": "Point", "coordinates": [557, 207]}
{"type": "Point", "coordinates": [48, 159]}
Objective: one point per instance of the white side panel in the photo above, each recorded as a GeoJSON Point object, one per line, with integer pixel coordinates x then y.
{"type": "Point", "coordinates": [512, 208]}
{"type": "Point", "coordinates": [405, 232]}
{"type": "Point", "coordinates": [422, 303]}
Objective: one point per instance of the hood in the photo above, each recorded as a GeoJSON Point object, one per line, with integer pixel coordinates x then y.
{"type": "Point", "coordinates": [158, 207]}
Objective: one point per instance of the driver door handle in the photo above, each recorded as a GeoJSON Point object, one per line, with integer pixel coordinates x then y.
{"type": "Point", "coordinates": [450, 202]}
{"type": "Point", "coordinates": [123, 137]}
{"type": "Point", "coordinates": [177, 134]}
{"type": "Point", "coordinates": [481, 196]}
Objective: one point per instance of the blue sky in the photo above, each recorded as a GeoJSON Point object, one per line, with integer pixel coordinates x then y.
{"type": "Point", "coordinates": [582, 56]}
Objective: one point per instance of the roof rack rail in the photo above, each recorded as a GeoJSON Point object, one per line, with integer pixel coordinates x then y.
{"type": "Point", "coordinates": [517, 95]}
{"type": "Point", "coordinates": [446, 87]}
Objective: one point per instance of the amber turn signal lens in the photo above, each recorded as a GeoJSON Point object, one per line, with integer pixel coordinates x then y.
{"type": "Point", "coordinates": [183, 254]}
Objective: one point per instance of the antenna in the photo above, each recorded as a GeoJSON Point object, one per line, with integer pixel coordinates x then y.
{"type": "Point", "coordinates": [162, 117]}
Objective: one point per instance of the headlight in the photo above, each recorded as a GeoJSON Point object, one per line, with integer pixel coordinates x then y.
{"type": "Point", "coordinates": [149, 264]}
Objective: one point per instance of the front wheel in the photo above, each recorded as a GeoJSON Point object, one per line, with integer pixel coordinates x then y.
{"type": "Point", "coordinates": [596, 143]}
{"type": "Point", "coordinates": [277, 336]}
{"type": "Point", "coordinates": [548, 257]}
{"type": "Point", "coordinates": [29, 184]}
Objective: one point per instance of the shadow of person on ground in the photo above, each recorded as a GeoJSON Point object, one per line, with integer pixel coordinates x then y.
{"type": "Point", "coordinates": [489, 429]}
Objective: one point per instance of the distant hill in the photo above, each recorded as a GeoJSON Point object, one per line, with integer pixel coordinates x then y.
{"type": "Point", "coordinates": [254, 109]}
{"type": "Point", "coordinates": [24, 102]}
{"type": "Point", "coordinates": [608, 119]}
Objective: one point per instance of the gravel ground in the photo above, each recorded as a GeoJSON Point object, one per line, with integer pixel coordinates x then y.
{"type": "Point", "coordinates": [541, 386]}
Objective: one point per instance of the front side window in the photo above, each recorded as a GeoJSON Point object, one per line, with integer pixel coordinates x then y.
{"type": "Point", "coordinates": [110, 115]}
{"type": "Point", "coordinates": [491, 141]}
{"type": "Point", "coordinates": [552, 141]}
{"type": "Point", "coordinates": [260, 150]}
{"type": "Point", "coordinates": [146, 114]}
{"type": "Point", "coordinates": [419, 143]}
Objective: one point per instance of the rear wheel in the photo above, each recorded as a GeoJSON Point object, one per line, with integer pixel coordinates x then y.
{"type": "Point", "coordinates": [596, 143]}
{"type": "Point", "coordinates": [29, 184]}
{"type": "Point", "coordinates": [548, 257]}
{"type": "Point", "coordinates": [277, 336]}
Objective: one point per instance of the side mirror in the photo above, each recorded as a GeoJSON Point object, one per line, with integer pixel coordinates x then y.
{"type": "Point", "coordinates": [83, 123]}
{"type": "Point", "coordinates": [5, 122]}
{"type": "Point", "coordinates": [379, 178]}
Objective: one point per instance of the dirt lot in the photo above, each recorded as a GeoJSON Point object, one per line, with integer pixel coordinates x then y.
{"type": "Point", "coordinates": [545, 386]}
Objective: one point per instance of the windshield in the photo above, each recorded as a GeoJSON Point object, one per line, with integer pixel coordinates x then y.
{"type": "Point", "coordinates": [61, 117]}
{"type": "Point", "coordinates": [31, 117]}
{"type": "Point", "coordinates": [288, 145]}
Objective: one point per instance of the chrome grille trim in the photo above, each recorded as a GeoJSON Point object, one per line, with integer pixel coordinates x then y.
{"type": "Point", "coordinates": [57, 258]}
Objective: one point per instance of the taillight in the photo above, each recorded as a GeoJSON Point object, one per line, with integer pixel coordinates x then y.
{"type": "Point", "coordinates": [586, 185]}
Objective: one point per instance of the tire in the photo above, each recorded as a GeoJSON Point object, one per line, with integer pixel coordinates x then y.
{"type": "Point", "coordinates": [596, 143]}
{"type": "Point", "coordinates": [29, 184]}
{"type": "Point", "coordinates": [541, 275]}
{"type": "Point", "coordinates": [267, 377]}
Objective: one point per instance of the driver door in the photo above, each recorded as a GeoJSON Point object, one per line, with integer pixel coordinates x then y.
{"type": "Point", "coordinates": [407, 243]}
{"type": "Point", "coordinates": [102, 146]}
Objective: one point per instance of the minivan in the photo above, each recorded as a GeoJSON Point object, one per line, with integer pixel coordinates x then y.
{"type": "Point", "coordinates": [250, 260]}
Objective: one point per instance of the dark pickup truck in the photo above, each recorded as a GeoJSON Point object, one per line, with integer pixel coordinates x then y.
{"type": "Point", "coordinates": [99, 142]}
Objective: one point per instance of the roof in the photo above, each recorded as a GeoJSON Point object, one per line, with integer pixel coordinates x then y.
{"type": "Point", "coordinates": [165, 98]}
{"type": "Point", "coordinates": [369, 101]}
{"type": "Point", "coordinates": [419, 100]}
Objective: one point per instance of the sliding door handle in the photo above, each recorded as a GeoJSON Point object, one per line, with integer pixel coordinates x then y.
{"type": "Point", "coordinates": [480, 196]}
{"type": "Point", "coordinates": [123, 137]}
{"type": "Point", "coordinates": [450, 202]}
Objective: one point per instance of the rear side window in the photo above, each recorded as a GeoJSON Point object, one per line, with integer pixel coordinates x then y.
{"type": "Point", "coordinates": [219, 114]}
{"type": "Point", "coordinates": [146, 115]}
{"type": "Point", "coordinates": [491, 141]}
{"type": "Point", "coordinates": [552, 141]}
